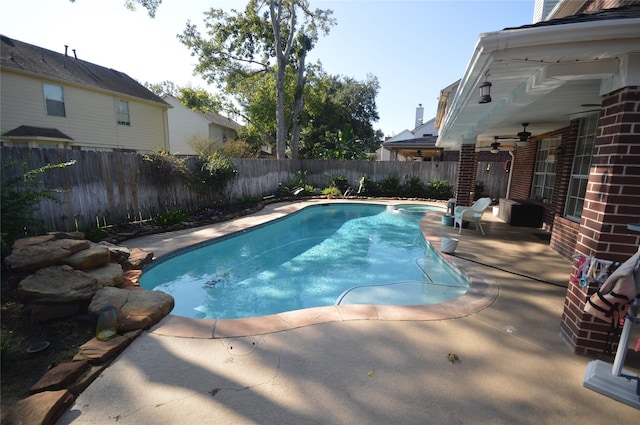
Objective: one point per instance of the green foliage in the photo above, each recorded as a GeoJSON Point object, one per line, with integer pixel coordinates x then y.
{"type": "Point", "coordinates": [239, 149]}
{"type": "Point", "coordinates": [216, 173]}
{"type": "Point", "coordinates": [170, 218]}
{"type": "Point", "coordinates": [199, 99]}
{"type": "Point", "coordinates": [212, 174]}
{"type": "Point", "coordinates": [414, 188]}
{"type": "Point", "coordinates": [331, 102]}
{"type": "Point", "coordinates": [440, 189]}
{"type": "Point", "coordinates": [366, 186]}
{"type": "Point", "coordinates": [249, 200]}
{"type": "Point", "coordinates": [19, 198]}
{"type": "Point", "coordinates": [163, 169]}
{"type": "Point", "coordinates": [265, 38]}
{"type": "Point", "coordinates": [95, 234]}
{"type": "Point", "coordinates": [390, 186]}
{"type": "Point", "coordinates": [343, 146]}
{"type": "Point", "coordinates": [332, 191]}
{"type": "Point", "coordinates": [296, 186]}
{"type": "Point", "coordinates": [340, 182]}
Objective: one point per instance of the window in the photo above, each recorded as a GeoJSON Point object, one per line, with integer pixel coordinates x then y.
{"type": "Point", "coordinates": [581, 166]}
{"type": "Point", "coordinates": [54, 100]}
{"type": "Point", "coordinates": [544, 175]}
{"type": "Point", "coordinates": [122, 112]}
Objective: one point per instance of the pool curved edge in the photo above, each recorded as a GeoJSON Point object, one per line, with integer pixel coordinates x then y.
{"type": "Point", "coordinates": [482, 293]}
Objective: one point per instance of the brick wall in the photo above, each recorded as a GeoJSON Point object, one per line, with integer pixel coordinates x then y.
{"type": "Point", "coordinates": [466, 175]}
{"type": "Point", "coordinates": [522, 169]}
{"type": "Point", "coordinates": [564, 236]}
{"type": "Point", "coordinates": [611, 202]}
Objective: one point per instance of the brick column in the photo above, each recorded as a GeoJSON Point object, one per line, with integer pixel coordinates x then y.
{"type": "Point", "coordinates": [467, 169]}
{"type": "Point", "coordinates": [612, 201]}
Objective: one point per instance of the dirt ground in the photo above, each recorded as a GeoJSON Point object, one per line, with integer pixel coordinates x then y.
{"type": "Point", "coordinates": [20, 370]}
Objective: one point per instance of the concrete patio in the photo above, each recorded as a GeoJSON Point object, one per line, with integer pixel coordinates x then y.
{"type": "Point", "coordinates": [513, 368]}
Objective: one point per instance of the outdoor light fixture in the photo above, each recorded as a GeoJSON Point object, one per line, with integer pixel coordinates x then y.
{"type": "Point", "coordinates": [485, 89]}
{"type": "Point", "coordinates": [523, 136]}
{"type": "Point", "coordinates": [495, 147]}
{"type": "Point", "coordinates": [485, 92]}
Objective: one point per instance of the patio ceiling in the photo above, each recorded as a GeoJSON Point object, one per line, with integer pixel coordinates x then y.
{"type": "Point", "coordinates": [541, 75]}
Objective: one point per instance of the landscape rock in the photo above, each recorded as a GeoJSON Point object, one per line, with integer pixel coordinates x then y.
{"type": "Point", "coordinates": [43, 408]}
{"type": "Point", "coordinates": [84, 380]}
{"type": "Point", "coordinates": [94, 256]}
{"type": "Point", "coordinates": [60, 377]}
{"type": "Point", "coordinates": [134, 309]}
{"type": "Point", "coordinates": [108, 275]}
{"type": "Point", "coordinates": [98, 352]}
{"type": "Point", "coordinates": [119, 254]}
{"type": "Point", "coordinates": [138, 259]}
{"type": "Point", "coordinates": [131, 278]}
{"type": "Point", "coordinates": [58, 284]}
{"type": "Point", "coordinates": [43, 251]}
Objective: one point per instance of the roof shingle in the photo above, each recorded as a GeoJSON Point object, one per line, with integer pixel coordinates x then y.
{"type": "Point", "coordinates": [20, 56]}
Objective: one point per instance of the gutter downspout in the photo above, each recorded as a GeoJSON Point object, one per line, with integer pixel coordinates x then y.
{"type": "Point", "coordinates": [513, 158]}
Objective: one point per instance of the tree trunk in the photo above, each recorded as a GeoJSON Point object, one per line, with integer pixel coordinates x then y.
{"type": "Point", "coordinates": [298, 105]}
{"type": "Point", "coordinates": [281, 57]}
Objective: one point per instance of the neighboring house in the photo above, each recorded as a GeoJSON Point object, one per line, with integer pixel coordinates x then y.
{"type": "Point", "coordinates": [51, 99]}
{"type": "Point", "coordinates": [415, 145]}
{"type": "Point", "coordinates": [186, 124]}
{"type": "Point", "coordinates": [575, 79]}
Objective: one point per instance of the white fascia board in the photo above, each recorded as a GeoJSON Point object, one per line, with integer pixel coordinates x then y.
{"type": "Point", "coordinates": [519, 43]}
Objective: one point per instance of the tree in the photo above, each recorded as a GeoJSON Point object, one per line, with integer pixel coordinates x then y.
{"type": "Point", "coordinates": [241, 45]}
{"type": "Point", "coordinates": [333, 102]}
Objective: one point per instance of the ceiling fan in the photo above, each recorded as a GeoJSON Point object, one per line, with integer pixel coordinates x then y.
{"type": "Point", "coordinates": [523, 136]}
{"type": "Point", "coordinates": [495, 146]}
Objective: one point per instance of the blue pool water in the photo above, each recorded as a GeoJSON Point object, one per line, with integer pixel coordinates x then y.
{"type": "Point", "coordinates": [319, 256]}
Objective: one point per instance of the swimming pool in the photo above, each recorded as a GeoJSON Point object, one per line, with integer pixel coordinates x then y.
{"type": "Point", "coordinates": [322, 255]}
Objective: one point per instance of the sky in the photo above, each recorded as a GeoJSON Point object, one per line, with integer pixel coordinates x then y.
{"type": "Point", "coordinates": [414, 47]}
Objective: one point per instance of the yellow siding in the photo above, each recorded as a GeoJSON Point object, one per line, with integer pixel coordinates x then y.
{"type": "Point", "coordinates": [90, 115]}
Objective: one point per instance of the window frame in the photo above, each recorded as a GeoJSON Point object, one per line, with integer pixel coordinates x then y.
{"type": "Point", "coordinates": [54, 105]}
{"type": "Point", "coordinates": [581, 167]}
{"type": "Point", "coordinates": [544, 173]}
{"type": "Point", "coordinates": [122, 117]}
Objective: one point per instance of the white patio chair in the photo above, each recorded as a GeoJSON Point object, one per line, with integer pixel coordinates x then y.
{"type": "Point", "coordinates": [472, 213]}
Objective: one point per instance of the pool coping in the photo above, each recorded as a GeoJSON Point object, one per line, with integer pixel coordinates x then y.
{"type": "Point", "coordinates": [482, 293]}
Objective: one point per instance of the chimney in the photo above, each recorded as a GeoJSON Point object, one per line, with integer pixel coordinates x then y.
{"type": "Point", "coordinates": [419, 115]}
{"type": "Point", "coordinates": [74, 54]}
{"type": "Point", "coordinates": [66, 49]}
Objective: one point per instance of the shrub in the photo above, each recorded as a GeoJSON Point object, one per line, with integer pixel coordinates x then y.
{"type": "Point", "coordinates": [95, 234]}
{"type": "Point", "coordinates": [170, 218]}
{"type": "Point", "coordinates": [162, 168]}
{"type": "Point", "coordinates": [390, 186]}
{"type": "Point", "coordinates": [367, 186]}
{"type": "Point", "coordinates": [414, 188]}
{"type": "Point", "coordinates": [332, 191]}
{"type": "Point", "coordinates": [19, 197]}
{"type": "Point", "coordinates": [440, 189]}
{"type": "Point", "coordinates": [340, 182]}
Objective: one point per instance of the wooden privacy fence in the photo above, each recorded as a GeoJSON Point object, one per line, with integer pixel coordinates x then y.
{"type": "Point", "coordinates": [105, 188]}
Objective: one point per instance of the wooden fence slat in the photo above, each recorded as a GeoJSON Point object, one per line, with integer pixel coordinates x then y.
{"type": "Point", "coordinates": [108, 187]}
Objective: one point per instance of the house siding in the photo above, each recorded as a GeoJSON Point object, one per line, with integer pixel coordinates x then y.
{"type": "Point", "coordinates": [184, 124]}
{"type": "Point", "coordinates": [90, 115]}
